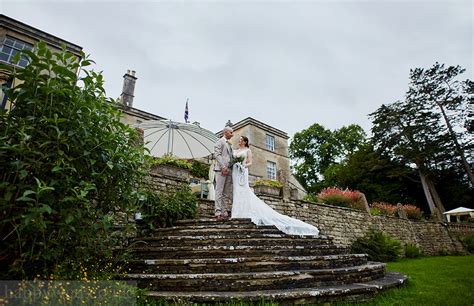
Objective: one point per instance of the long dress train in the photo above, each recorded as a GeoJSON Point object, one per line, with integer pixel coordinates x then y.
{"type": "Point", "coordinates": [247, 205]}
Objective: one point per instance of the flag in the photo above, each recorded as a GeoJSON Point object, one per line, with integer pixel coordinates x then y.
{"type": "Point", "coordinates": [186, 112]}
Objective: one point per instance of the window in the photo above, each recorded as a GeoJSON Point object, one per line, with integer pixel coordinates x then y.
{"type": "Point", "coordinates": [9, 47]}
{"type": "Point", "coordinates": [271, 170]}
{"type": "Point", "coordinates": [270, 142]}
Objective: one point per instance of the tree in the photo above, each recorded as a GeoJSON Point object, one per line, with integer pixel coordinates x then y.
{"type": "Point", "coordinates": [67, 164]}
{"type": "Point", "coordinates": [412, 135]}
{"type": "Point", "coordinates": [316, 148]}
{"type": "Point", "coordinates": [378, 177]}
{"type": "Point", "coordinates": [438, 90]}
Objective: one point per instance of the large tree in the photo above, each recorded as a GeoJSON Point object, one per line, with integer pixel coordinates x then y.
{"type": "Point", "coordinates": [411, 134]}
{"type": "Point", "coordinates": [67, 164]}
{"type": "Point", "coordinates": [315, 149]}
{"type": "Point", "coordinates": [438, 90]}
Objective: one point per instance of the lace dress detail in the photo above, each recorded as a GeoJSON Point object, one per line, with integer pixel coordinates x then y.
{"type": "Point", "coordinates": [247, 205]}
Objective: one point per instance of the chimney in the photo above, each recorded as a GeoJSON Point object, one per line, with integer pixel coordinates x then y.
{"type": "Point", "coordinates": [129, 80]}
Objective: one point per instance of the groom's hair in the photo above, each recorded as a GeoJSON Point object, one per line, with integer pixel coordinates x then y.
{"type": "Point", "coordinates": [228, 129]}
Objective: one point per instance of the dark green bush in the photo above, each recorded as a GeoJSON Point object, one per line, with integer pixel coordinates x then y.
{"type": "Point", "coordinates": [412, 251]}
{"type": "Point", "coordinates": [200, 170]}
{"type": "Point", "coordinates": [67, 164]}
{"type": "Point", "coordinates": [469, 242]}
{"type": "Point", "coordinates": [162, 210]}
{"type": "Point", "coordinates": [379, 246]}
{"type": "Point", "coordinates": [337, 200]}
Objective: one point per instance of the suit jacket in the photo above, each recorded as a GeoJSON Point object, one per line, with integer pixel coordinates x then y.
{"type": "Point", "coordinates": [222, 153]}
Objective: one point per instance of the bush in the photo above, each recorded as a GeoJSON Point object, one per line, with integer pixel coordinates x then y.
{"type": "Point", "coordinates": [67, 164]}
{"type": "Point", "coordinates": [412, 251]}
{"type": "Point", "coordinates": [311, 197]}
{"type": "Point", "coordinates": [382, 208]}
{"type": "Point", "coordinates": [163, 210]}
{"type": "Point", "coordinates": [379, 247]}
{"type": "Point", "coordinates": [469, 242]}
{"type": "Point", "coordinates": [344, 198]}
{"type": "Point", "coordinates": [200, 170]}
{"type": "Point", "coordinates": [271, 183]}
{"type": "Point", "coordinates": [169, 159]}
{"type": "Point", "coordinates": [413, 212]}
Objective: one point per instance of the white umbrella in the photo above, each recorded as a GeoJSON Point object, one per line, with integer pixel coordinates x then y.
{"type": "Point", "coordinates": [183, 140]}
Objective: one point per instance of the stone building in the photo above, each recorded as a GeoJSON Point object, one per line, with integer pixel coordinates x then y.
{"type": "Point", "coordinates": [16, 36]}
{"type": "Point", "coordinates": [269, 146]}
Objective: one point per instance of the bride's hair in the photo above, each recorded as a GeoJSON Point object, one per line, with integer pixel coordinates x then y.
{"type": "Point", "coordinates": [246, 141]}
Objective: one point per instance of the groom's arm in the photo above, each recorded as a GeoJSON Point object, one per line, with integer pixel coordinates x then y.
{"type": "Point", "coordinates": [218, 148]}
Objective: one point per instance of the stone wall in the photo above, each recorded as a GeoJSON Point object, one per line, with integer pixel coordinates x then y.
{"type": "Point", "coordinates": [345, 225]}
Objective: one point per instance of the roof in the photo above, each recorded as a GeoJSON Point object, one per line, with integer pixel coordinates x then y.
{"type": "Point", "coordinates": [459, 210]}
{"type": "Point", "coordinates": [36, 34]}
{"type": "Point", "coordinates": [254, 122]}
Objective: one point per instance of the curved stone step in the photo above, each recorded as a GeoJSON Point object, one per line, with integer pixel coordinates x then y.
{"type": "Point", "coordinates": [245, 264]}
{"type": "Point", "coordinates": [349, 292]}
{"type": "Point", "coordinates": [211, 251]}
{"type": "Point", "coordinates": [259, 280]}
{"type": "Point", "coordinates": [242, 240]}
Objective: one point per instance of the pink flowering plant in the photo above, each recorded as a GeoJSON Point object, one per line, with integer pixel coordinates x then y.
{"type": "Point", "coordinates": [383, 208]}
{"type": "Point", "coordinates": [338, 197]}
{"type": "Point", "coordinates": [387, 209]}
{"type": "Point", "coordinates": [413, 212]}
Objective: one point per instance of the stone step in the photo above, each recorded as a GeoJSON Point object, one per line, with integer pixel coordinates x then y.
{"type": "Point", "coordinates": [242, 240]}
{"type": "Point", "coordinates": [358, 292]}
{"type": "Point", "coordinates": [245, 264]}
{"type": "Point", "coordinates": [224, 232]}
{"type": "Point", "coordinates": [211, 251]}
{"type": "Point", "coordinates": [213, 222]}
{"type": "Point", "coordinates": [259, 280]}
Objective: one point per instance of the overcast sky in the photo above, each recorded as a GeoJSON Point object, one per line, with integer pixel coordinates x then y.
{"type": "Point", "coordinates": [288, 64]}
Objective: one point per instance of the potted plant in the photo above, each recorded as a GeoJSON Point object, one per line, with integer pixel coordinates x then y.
{"type": "Point", "coordinates": [269, 187]}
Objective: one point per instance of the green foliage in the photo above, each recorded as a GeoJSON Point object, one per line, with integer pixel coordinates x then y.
{"type": "Point", "coordinates": [316, 148]}
{"type": "Point", "coordinates": [337, 200]}
{"type": "Point", "coordinates": [271, 183]}
{"type": "Point", "coordinates": [468, 240]}
{"type": "Point", "coordinates": [162, 210]}
{"type": "Point", "coordinates": [412, 251]}
{"type": "Point", "coordinates": [67, 164]}
{"type": "Point", "coordinates": [379, 246]}
{"type": "Point", "coordinates": [311, 197]}
{"type": "Point", "coordinates": [200, 170]}
{"type": "Point", "coordinates": [173, 161]}
{"type": "Point", "coordinates": [449, 282]}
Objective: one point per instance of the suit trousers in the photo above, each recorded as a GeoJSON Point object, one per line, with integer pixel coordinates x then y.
{"type": "Point", "coordinates": [223, 194]}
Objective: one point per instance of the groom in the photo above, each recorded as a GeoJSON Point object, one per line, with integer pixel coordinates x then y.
{"type": "Point", "coordinates": [223, 155]}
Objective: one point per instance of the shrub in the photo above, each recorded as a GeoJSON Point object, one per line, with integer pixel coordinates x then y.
{"type": "Point", "coordinates": [413, 212]}
{"type": "Point", "coordinates": [412, 251]}
{"type": "Point", "coordinates": [379, 246]}
{"type": "Point", "coordinates": [469, 242]}
{"type": "Point", "coordinates": [200, 170]}
{"type": "Point", "coordinates": [311, 197]}
{"type": "Point", "coordinates": [338, 197]}
{"type": "Point", "coordinates": [67, 164]}
{"type": "Point", "coordinates": [382, 208]}
{"type": "Point", "coordinates": [169, 159]}
{"type": "Point", "coordinates": [271, 183]}
{"type": "Point", "coordinates": [163, 210]}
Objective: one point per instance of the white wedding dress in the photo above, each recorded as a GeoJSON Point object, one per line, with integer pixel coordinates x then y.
{"type": "Point", "coordinates": [247, 205]}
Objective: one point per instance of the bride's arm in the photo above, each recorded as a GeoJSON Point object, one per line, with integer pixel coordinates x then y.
{"type": "Point", "coordinates": [248, 163]}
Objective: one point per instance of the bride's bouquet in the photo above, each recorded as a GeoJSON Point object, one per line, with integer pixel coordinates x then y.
{"type": "Point", "coordinates": [237, 160]}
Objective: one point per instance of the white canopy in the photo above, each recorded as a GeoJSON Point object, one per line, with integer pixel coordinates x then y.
{"type": "Point", "coordinates": [458, 212]}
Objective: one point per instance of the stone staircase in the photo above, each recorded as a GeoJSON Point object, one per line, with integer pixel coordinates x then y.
{"type": "Point", "coordinates": [209, 261]}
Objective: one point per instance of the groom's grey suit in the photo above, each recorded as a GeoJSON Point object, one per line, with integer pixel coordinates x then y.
{"type": "Point", "coordinates": [223, 155]}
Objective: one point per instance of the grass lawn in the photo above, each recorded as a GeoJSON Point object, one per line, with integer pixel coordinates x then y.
{"type": "Point", "coordinates": [446, 280]}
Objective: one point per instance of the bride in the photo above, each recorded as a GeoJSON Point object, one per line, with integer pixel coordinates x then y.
{"type": "Point", "coordinates": [247, 205]}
